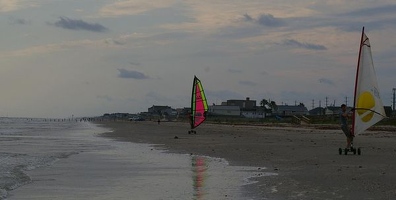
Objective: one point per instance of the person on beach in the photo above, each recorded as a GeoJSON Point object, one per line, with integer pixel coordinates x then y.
{"type": "Point", "coordinates": [344, 115]}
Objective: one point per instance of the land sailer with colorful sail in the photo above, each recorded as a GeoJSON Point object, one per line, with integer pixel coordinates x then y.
{"type": "Point", "coordinates": [199, 105]}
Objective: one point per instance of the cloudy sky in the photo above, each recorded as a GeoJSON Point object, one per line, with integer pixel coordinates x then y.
{"type": "Point", "coordinates": [60, 58]}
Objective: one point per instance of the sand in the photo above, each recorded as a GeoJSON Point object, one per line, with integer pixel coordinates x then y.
{"type": "Point", "coordinates": [305, 158]}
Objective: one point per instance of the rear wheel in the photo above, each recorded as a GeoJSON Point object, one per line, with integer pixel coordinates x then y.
{"type": "Point", "coordinates": [346, 151]}
{"type": "Point", "coordinates": [359, 151]}
{"type": "Point", "coordinates": [339, 151]}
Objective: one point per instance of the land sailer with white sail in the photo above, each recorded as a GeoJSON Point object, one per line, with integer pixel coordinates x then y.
{"type": "Point", "coordinates": [368, 106]}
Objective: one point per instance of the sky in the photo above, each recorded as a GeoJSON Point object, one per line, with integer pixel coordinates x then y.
{"type": "Point", "coordinates": [63, 58]}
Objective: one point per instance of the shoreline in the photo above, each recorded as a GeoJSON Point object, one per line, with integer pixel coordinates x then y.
{"type": "Point", "coordinates": [305, 158]}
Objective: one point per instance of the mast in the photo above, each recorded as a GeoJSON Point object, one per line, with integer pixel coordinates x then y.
{"type": "Point", "coordinates": [394, 99]}
{"type": "Point", "coordinates": [192, 114]}
{"type": "Point", "coordinates": [356, 82]}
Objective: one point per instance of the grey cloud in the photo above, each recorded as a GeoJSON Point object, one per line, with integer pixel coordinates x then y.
{"type": "Point", "coordinates": [265, 20]}
{"type": "Point", "coordinates": [113, 41]}
{"type": "Point", "coordinates": [372, 18]}
{"type": "Point", "coordinates": [353, 26]}
{"type": "Point", "coordinates": [304, 45]}
{"type": "Point", "coordinates": [380, 10]}
{"type": "Point", "coordinates": [234, 71]}
{"type": "Point", "coordinates": [343, 23]}
{"type": "Point", "coordinates": [74, 24]}
{"type": "Point", "coordinates": [105, 97]}
{"type": "Point", "coordinates": [124, 73]}
{"type": "Point", "coordinates": [13, 20]}
{"type": "Point", "coordinates": [270, 20]}
{"type": "Point", "coordinates": [135, 63]}
{"type": "Point", "coordinates": [326, 81]}
{"type": "Point", "coordinates": [248, 18]}
{"type": "Point", "coordinates": [248, 83]}
{"type": "Point", "coordinates": [118, 42]}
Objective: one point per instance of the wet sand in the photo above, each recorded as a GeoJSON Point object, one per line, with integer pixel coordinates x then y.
{"type": "Point", "coordinates": [305, 158]}
{"type": "Point", "coordinates": [92, 167]}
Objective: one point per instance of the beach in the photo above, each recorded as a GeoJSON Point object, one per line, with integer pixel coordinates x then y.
{"type": "Point", "coordinates": [42, 159]}
{"type": "Point", "coordinates": [300, 162]}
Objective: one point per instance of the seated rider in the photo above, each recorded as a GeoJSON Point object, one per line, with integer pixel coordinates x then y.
{"type": "Point", "coordinates": [344, 125]}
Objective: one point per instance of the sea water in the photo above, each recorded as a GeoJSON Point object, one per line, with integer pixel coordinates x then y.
{"type": "Point", "coordinates": [28, 144]}
{"type": "Point", "coordinates": [65, 159]}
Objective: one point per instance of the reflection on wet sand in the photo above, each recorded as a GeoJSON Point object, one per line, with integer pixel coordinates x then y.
{"type": "Point", "coordinates": [199, 168]}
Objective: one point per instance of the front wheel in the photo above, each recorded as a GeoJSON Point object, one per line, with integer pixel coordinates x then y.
{"type": "Point", "coordinates": [359, 151]}
{"type": "Point", "coordinates": [339, 151]}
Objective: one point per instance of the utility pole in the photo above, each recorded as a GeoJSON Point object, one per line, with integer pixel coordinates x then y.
{"type": "Point", "coordinates": [326, 100]}
{"type": "Point", "coordinates": [394, 91]}
{"type": "Point", "coordinates": [313, 103]}
{"type": "Point", "coordinates": [346, 101]}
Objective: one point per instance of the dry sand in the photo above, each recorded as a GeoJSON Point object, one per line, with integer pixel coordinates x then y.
{"type": "Point", "coordinates": [305, 158]}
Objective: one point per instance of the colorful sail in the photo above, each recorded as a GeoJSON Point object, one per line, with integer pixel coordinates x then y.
{"type": "Point", "coordinates": [368, 105]}
{"type": "Point", "coordinates": [199, 105]}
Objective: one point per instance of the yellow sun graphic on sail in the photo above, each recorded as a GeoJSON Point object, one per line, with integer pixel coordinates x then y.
{"type": "Point", "coordinates": [366, 103]}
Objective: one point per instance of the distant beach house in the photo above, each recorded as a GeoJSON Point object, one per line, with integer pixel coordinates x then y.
{"type": "Point", "coordinates": [286, 110]}
{"type": "Point", "coordinates": [224, 110]}
{"type": "Point", "coordinates": [243, 104]}
{"type": "Point", "coordinates": [183, 111]}
{"type": "Point", "coordinates": [247, 108]}
{"type": "Point", "coordinates": [317, 111]}
{"type": "Point", "coordinates": [332, 110]}
{"type": "Point", "coordinates": [256, 112]}
{"type": "Point", "coordinates": [162, 110]}
{"type": "Point", "coordinates": [117, 115]}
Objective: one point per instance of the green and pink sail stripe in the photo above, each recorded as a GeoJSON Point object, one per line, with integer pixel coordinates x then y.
{"type": "Point", "coordinates": [199, 105]}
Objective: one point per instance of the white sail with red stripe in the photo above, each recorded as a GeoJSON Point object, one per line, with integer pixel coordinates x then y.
{"type": "Point", "coordinates": [368, 106]}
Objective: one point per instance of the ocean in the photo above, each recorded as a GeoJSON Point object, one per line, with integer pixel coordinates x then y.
{"type": "Point", "coordinates": [67, 159]}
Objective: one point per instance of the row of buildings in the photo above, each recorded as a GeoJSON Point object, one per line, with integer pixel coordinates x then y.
{"type": "Point", "coordinates": [246, 108]}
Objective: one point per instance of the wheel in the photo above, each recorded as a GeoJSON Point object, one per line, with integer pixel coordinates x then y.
{"type": "Point", "coordinates": [354, 151]}
{"type": "Point", "coordinates": [195, 132]}
{"type": "Point", "coordinates": [346, 151]}
{"type": "Point", "coordinates": [359, 151]}
{"type": "Point", "coordinates": [339, 151]}
{"type": "Point", "coordinates": [189, 132]}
